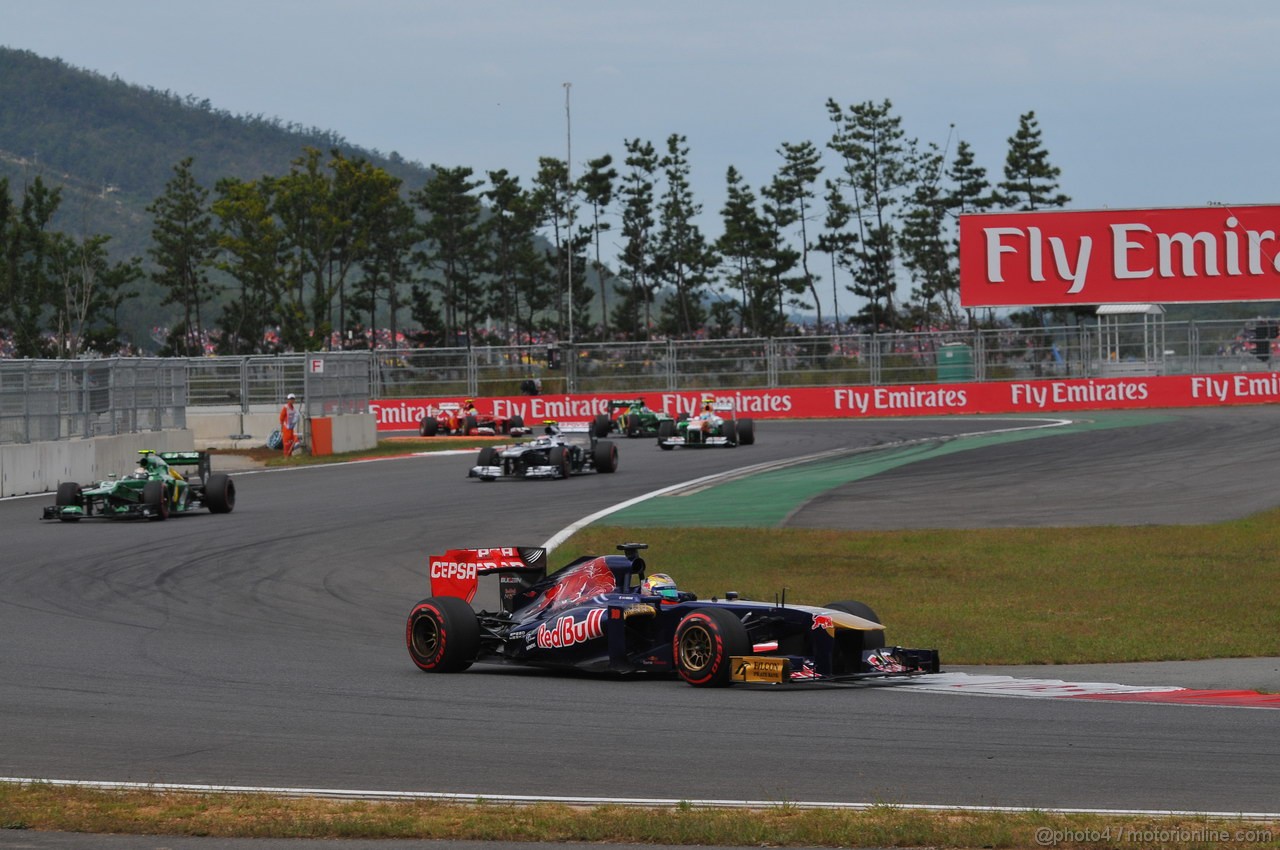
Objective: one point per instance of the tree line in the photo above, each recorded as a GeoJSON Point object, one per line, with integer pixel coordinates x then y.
{"type": "Point", "coordinates": [337, 246]}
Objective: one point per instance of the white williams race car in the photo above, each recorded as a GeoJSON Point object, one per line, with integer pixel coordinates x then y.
{"type": "Point", "coordinates": [554, 454]}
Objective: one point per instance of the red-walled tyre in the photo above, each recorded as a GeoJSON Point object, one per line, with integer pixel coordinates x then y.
{"type": "Point", "coordinates": [443, 635]}
{"type": "Point", "coordinates": [705, 641]}
{"type": "Point", "coordinates": [153, 495]}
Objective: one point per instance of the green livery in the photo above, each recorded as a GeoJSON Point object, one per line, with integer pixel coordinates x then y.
{"type": "Point", "coordinates": [154, 490]}
{"type": "Point", "coordinates": [631, 418]}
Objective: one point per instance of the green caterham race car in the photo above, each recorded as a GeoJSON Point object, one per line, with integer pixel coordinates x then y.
{"type": "Point", "coordinates": [154, 490]}
{"type": "Point", "coordinates": [630, 417]}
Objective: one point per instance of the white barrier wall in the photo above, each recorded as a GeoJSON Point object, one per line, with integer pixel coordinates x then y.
{"type": "Point", "coordinates": [225, 430]}
{"type": "Point", "coordinates": [354, 431]}
{"type": "Point", "coordinates": [40, 467]}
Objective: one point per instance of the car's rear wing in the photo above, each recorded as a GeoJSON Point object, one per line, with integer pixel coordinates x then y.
{"type": "Point", "coordinates": [489, 579]}
{"type": "Point", "coordinates": [198, 459]}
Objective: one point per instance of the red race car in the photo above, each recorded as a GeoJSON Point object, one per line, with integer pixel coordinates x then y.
{"type": "Point", "coordinates": [464, 420]}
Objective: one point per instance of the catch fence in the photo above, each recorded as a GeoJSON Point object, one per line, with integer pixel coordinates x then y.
{"type": "Point", "coordinates": [50, 400]}
{"type": "Point", "coordinates": [47, 400]}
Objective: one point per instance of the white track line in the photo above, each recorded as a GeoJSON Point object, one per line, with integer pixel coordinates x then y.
{"type": "Point", "coordinates": [639, 802]}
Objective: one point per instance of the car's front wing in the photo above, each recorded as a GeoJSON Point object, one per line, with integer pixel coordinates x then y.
{"type": "Point", "coordinates": [894, 662]}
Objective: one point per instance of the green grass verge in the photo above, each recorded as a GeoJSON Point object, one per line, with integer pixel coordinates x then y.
{"type": "Point", "coordinates": [69, 809]}
{"type": "Point", "coordinates": [1002, 596]}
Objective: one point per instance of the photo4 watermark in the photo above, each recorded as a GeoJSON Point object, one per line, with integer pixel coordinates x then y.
{"type": "Point", "coordinates": [1153, 836]}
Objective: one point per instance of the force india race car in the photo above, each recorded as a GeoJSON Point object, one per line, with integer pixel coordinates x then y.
{"type": "Point", "coordinates": [597, 614]}
{"type": "Point", "coordinates": [552, 455]}
{"type": "Point", "coordinates": [451, 418]}
{"type": "Point", "coordinates": [152, 491]}
{"type": "Point", "coordinates": [717, 425]}
{"type": "Point", "coordinates": [631, 418]}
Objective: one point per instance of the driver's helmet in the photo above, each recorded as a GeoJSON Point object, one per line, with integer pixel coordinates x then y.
{"type": "Point", "coordinates": [139, 473]}
{"type": "Point", "coordinates": [706, 404]}
{"type": "Point", "coordinates": [469, 404]}
{"type": "Point", "coordinates": [659, 584]}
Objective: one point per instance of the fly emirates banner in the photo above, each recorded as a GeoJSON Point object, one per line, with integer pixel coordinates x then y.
{"type": "Point", "coordinates": [853, 402]}
{"type": "Point", "coordinates": [1154, 256]}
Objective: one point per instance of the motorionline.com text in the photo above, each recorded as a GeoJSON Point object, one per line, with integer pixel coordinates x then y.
{"type": "Point", "coordinates": [1048, 837]}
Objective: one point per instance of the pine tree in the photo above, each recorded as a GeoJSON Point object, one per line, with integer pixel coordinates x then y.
{"type": "Point", "coordinates": [636, 261]}
{"type": "Point", "coordinates": [795, 181]}
{"type": "Point", "coordinates": [684, 260]}
{"type": "Point", "coordinates": [183, 251]}
{"type": "Point", "coordinates": [1030, 182]}
{"type": "Point", "coordinates": [452, 250]}
{"type": "Point", "coordinates": [597, 188]}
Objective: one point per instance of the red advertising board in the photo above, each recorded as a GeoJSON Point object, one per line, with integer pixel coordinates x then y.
{"type": "Point", "coordinates": [1153, 256]}
{"type": "Point", "coordinates": [1042, 396]}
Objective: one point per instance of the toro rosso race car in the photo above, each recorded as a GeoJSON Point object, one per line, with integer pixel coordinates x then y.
{"type": "Point", "coordinates": [464, 420]}
{"type": "Point", "coordinates": [715, 426]}
{"type": "Point", "coordinates": [154, 490]}
{"type": "Point", "coordinates": [553, 455]}
{"type": "Point", "coordinates": [604, 614]}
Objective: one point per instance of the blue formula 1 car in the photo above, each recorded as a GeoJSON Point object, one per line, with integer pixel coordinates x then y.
{"type": "Point", "coordinates": [604, 614]}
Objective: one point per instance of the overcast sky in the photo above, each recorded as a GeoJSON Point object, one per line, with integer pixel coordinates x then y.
{"type": "Point", "coordinates": [1140, 102]}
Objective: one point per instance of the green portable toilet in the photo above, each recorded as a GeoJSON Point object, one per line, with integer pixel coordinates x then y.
{"type": "Point", "coordinates": [955, 363]}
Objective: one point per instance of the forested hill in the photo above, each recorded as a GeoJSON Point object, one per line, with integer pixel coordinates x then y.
{"type": "Point", "coordinates": [113, 145]}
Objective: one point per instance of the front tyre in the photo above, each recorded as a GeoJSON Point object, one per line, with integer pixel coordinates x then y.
{"type": "Point", "coordinates": [666, 431]}
{"type": "Point", "coordinates": [601, 425]}
{"type": "Point", "coordinates": [154, 496]}
{"type": "Point", "coordinates": [705, 641]}
{"type": "Point", "coordinates": [443, 635]}
{"type": "Point", "coordinates": [68, 494]}
{"type": "Point", "coordinates": [428, 426]}
{"type": "Point", "coordinates": [559, 459]}
{"type": "Point", "coordinates": [869, 639]}
{"type": "Point", "coordinates": [604, 455]}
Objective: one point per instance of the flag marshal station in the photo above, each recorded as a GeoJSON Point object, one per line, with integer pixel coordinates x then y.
{"type": "Point", "coordinates": [1157, 256]}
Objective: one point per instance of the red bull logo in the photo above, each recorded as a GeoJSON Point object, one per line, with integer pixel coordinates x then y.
{"type": "Point", "coordinates": [569, 631]}
{"type": "Point", "coordinates": [823, 621]}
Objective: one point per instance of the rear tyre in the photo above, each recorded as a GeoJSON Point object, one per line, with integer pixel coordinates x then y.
{"type": "Point", "coordinates": [746, 432]}
{"type": "Point", "coordinates": [427, 426]}
{"type": "Point", "coordinates": [729, 430]}
{"type": "Point", "coordinates": [153, 496]}
{"type": "Point", "coordinates": [220, 493]}
{"type": "Point", "coordinates": [443, 635]}
{"type": "Point", "coordinates": [604, 454]}
{"type": "Point", "coordinates": [704, 642]}
{"type": "Point", "coordinates": [666, 430]}
{"type": "Point", "coordinates": [632, 422]}
{"type": "Point", "coordinates": [601, 425]}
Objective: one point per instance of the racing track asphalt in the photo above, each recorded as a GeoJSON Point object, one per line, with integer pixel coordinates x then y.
{"type": "Point", "coordinates": [265, 648]}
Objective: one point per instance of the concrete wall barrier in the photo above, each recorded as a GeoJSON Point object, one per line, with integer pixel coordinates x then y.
{"type": "Point", "coordinates": [354, 432]}
{"type": "Point", "coordinates": [233, 430]}
{"type": "Point", "coordinates": [39, 467]}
